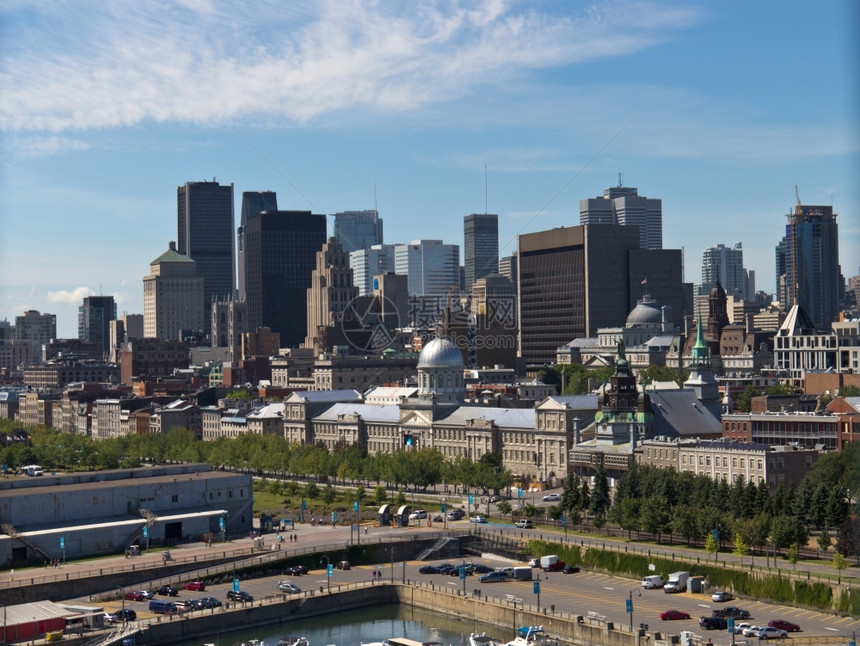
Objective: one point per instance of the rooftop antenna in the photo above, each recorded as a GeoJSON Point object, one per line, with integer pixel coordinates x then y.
{"type": "Point", "coordinates": [375, 202]}
{"type": "Point", "coordinates": [620, 180]}
{"type": "Point", "coordinates": [486, 210]}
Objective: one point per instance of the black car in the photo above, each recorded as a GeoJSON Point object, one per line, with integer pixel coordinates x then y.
{"type": "Point", "coordinates": [239, 595]}
{"type": "Point", "coordinates": [125, 613]}
{"type": "Point", "coordinates": [211, 602]}
{"type": "Point", "coordinates": [570, 569]}
{"type": "Point", "coordinates": [428, 569]}
{"type": "Point", "coordinates": [167, 591]}
{"type": "Point", "coordinates": [731, 611]}
{"type": "Point", "coordinates": [713, 623]}
{"type": "Point", "coordinates": [295, 570]}
{"type": "Point", "coordinates": [195, 604]}
{"type": "Point", "coordinates": [480, 568]}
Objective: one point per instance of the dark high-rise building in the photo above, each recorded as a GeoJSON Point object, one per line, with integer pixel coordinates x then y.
{"type": "Point", "coordinates": [574, 280]}
{"type": "Point", "coordinates": [253, 202]}
{"type": "Point", "coordinates": [205, 230]}
{"type": "Point", "coordinates": [280, 256]}
{"type": "Point", "coordinates": [356, 230]}
{"type": "Point", "coordinates": [813, 279]}
{"type": "Point", "coordinates": [480, 246]}
{"type": "Point", "coordinates": [624, 206]}
{"type": "Point", "coordinates": [94, 318]}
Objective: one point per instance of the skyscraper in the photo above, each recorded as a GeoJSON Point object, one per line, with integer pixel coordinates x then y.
{"type": "Point", "coordinates": [280, 255]}
{"type": "Point", "coordinates": [38, 329]}
{"type": "Point", "coordinates": [725, 264]}
{"type": "Point", "coordinates": [813, 276]}
{"type": "Point", "coordinates": [480, 246]}
{"type": "Point", "coordinates": [330, 292]}
{"type": "Point", "coordinates": [370, 262]}
{"type": "Point", "coordinates": [624, 206]}
{"type": "Point", "coordinates": [356, 230]}
{"type": "Point", "coordinates": [94, 318]}
{"type": "Point", "coordinates": [253, 202]}
{"type": "Point", "coordinates": [205, 230]}
{"type": "Point", "coordinates": [172, 297]}
{"type": "Point", "coordinates": [574, 280]}
{"type": "Point", "coordinates": [432, 266]}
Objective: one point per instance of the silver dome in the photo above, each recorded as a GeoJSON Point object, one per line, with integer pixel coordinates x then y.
{"type": "Point", "coordinates": [440, 353]}
{"type": "Point", "coordinates": [645, 313]}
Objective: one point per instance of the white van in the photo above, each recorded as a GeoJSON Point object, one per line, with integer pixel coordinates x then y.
{"type": "Point", "coordinates": [32, 470]}
{"type": "Point", "coordinates": [653, 582]}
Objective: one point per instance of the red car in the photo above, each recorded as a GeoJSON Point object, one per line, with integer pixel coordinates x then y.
{"type": "Point", "coordinates": [782, 624]}
{"type": "Point", "coordinates": [674, 614]}
{"type": "Point", "coordinates": [135, 595]}
{"type": "Point", "coordinates": [197, 586]}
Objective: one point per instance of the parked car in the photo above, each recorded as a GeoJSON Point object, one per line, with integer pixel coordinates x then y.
{"type": "Point", "coordinates": [196, 586]}
{"type": "Point", "coordinates": [570, 569]}
{"type": "Point", "coordinates": [289, 588]}
{"type": "Point", "coordinates": [211, 602]}
{"type": "Point", "coordinates": [524, 523]}
{"type": "Point", "coordinates": [494, 577]}
{"type": "Point", "coordinates": [741, 627]}
{"type": "Point", "coordinates": [418, 514]}
{"type": "Point", "coordinates": [438, 518]}
{"type": "Point", "coordinates": [428, 569]}
{"type": "Point", "coordinates": [136, 595]}
{"type": "Point", "coordinates": [552, 497]}
{"type": "Point", "coordinates": [295, 570]}
{"type": "Point", "coordinates": [769, 632]}
{"type": "Point", "coordinates": [713, 623]}
{"type": "Point", "coordinates": [731, 611]}
{"type": "Point", "coordinates": [782, 624]}
{"type": "Point", "coordinates": [239, 595]}
{"type": "Point", "coordinates": [535, 562]}
{"type": "Point", "coordinates": [127, 613]}
{"type": "Point", "coordinates": [674, 614]}
{"type": "Point", "coordinates": [480, 568]}
{"type": "Point", "coordinates": [342, 565]}
{"type": "Point", "coordinates": [167, 591]}
{"type": "Point", "coordinates": [456, 514]}
{"type": "Point", "coordinates": [722, 596]}
{"type": "Point", "coordinates": [751, 631]}
{"type": "Point", "coordinates": [477, 518]}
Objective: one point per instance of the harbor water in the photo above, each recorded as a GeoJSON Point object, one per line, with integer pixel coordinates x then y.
{"type": "Point", "coordinates": [361, 626]}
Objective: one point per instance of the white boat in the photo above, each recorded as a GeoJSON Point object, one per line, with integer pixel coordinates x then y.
{"type": "Point", "coordinates": [482, 639]}
{"type": "Point", "coordinates": [532, 636]}
{"type": "Point", "coordinates": [293, 641]}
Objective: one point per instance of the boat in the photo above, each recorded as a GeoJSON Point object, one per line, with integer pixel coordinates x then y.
{"type": "Point", "coordinates": [482, 639]}
{"type": "Point", "coordinates": [532, 636]}
{"type": "Point", "coordinates": [293, 641]}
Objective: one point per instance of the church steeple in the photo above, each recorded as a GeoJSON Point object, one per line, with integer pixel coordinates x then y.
{"type": "Point", "coordinates": [701, 353]}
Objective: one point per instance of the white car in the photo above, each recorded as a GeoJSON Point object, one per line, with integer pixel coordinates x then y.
{"type": "Point", "coordinates": [752, 631]}
{"type": "Point", "coordinates": [477, 518]}
{"type": "Point", "coordinates": [769, 632]}
{"type": "Point", "coordinates": [418, 514]}
{"type": "Point", "coordinates": [740, 628]}
{"type": "Point", "coordinates": [722, 596]}
{"type": "Point", "coordinates": [552, 497]}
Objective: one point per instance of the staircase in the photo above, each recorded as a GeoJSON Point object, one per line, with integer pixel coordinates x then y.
{"type": "Point", "coordinates": [445, 547]}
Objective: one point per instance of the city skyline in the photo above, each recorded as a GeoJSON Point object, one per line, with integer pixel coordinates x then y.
{"type": "Point", "coordinates": [715, 110]}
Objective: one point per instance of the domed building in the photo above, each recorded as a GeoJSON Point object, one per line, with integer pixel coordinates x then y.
{"type": "Point", "coordinates": [440, 372]}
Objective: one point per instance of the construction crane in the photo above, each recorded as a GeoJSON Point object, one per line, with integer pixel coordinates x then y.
{"type": "Point", "coordinates": [799, 208]}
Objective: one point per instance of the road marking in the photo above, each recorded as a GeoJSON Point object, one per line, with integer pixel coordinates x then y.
{"type": "Point", "coordinates": [836, 630]}
{"type": "Point", "coordinates": [606, 587]}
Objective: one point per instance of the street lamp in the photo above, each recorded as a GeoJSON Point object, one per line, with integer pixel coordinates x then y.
{"type": "Point", "coordinates": [122, 598]}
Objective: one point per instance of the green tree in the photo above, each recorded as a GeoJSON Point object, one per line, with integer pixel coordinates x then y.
{"type": "Point", "coordinates": [740, 547]}
{"type": "Point", "coordinates": [839, 562]}
{"type": "Point", "coordinates": [655, 516]}
{"type": "Point", "coordinates": [793, 554]}
{"type": "Point", "coordinates": [504, 507]}
{"type": "Point", "coordinates": [845, 538]}
{"type": "Point", "coordinates": [380, 495]}
{"type": "Point", "coordinates": [599, 501]}
{"type": "Point", "coordinates": [329, 494]}
{"type": "Point", "coordinates": [684, 522]}
{"type": "Point", "coordinates": [849, 390]}
{"type": "Point", "coordinates": [744, 402]}
{"type": "Point", "coordinates": [824, 540]}
{"type": "Point", "coordinates": [654, 373]}
{"type": "Point", "coordinates": [312, 490]}
{"type": "Point", "coordinates": [711, 545]}
{"type": "Point", "coordinates": [529, 510]}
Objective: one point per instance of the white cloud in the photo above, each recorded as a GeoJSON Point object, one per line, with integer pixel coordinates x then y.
{"type": "Point", "coordinates": [91, 65]}
{"type": "Point", "coordinates": [70, 297]}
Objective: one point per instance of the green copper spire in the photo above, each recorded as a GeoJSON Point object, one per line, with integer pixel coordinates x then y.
{"type": "Point", "coordinates": [701, 353]}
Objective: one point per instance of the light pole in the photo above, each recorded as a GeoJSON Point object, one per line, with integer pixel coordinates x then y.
{"type": "Point", "coordinates": [5, 640]}
{"type": "Point", "coordinates": [122, 598]}
{"type": "Point", "coordinates": [630, 608]}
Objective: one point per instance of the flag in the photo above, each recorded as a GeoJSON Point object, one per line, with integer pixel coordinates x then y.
{"type": "Point", "coordinates": [644, 282]}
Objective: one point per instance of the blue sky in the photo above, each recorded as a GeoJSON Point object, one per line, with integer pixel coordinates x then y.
{"type": "Point", "coordinates": [717, 108]}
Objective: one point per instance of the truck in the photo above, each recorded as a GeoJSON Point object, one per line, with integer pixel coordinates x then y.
{"type": "Point", "coordinates": [677, 582]}
{"type": "Point", "coordinates": [551, 563]}
{"type": "Point", "coordinates": [32, 470]}
{"type": "Point", "coordinates": [653, 581]}
{"type": "Point", "coordinates": [523, 573]}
